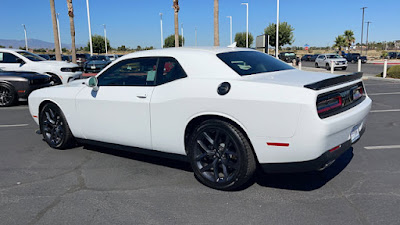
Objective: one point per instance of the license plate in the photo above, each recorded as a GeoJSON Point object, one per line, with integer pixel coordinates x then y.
{"type": "Point", "coordinates": [93, 67]}
{"type": "Point", "coordinates": [355, 134]}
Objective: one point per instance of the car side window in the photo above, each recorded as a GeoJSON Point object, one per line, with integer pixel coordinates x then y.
{"type": "Point", "coordinates": [130, 72]}
{"type": "Point", "coordinates": [169, 70]}
{"type": "Point", "coordinates": [6, 57]}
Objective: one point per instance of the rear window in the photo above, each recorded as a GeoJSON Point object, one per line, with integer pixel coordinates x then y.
{"type": "Point", "coordinates": [252, 62]}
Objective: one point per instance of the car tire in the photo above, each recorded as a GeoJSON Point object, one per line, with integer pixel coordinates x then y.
{"type": "Point", "coordinates": [54, 127]}
{"type": "Point", "coordinates": [55, 79]}
{"type": "Point", "coordinates": [327, 66]}
{"type": "Point", "coordinates": [217, 145]}
{"type": "Point", "coordinates": [316, 65]}
{"type": "Point", "coordinates": [8, 96]}
{"type": "Point", "coordinates": [353, 61]}
{"type": "Point", "coordinates": [344, 68]}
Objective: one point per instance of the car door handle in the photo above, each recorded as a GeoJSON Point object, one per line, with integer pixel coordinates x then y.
{"type": "Point", "coordinates": [142, 96]}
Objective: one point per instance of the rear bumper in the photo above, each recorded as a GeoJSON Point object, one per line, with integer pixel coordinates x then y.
{"type": "Point", "coordinates": [320, 163]}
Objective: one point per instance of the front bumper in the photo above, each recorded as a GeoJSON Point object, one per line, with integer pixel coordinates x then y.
{"type": "Point", "coordinates": [24, 93]}
{"type": "Point", "coordinates": [320, 163]}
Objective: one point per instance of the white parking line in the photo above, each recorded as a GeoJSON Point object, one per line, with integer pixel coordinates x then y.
{"type": "Point", "coordinates": [385, 110]}
{"type": "Point", "coordinates": [382, 147]}
{"type": "Point", "coordinates": [14, 125]}
{"type": "Point", "coordinates": [392, 93]}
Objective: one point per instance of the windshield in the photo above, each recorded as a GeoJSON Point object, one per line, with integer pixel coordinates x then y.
{"type": "Point", "coordinates": [99, 57]}
{"type": "Point", "coordinates": [333, 56]}
{"type": "Point", "coordinates": [31, 56]}
{"type": "Point", "coordinates": [252, 62]}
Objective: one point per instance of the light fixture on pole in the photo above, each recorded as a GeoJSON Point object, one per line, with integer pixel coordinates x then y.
{"type": "Point", "coordinates": [366, 51]}
{"type": "Point", "coordinates": [105, 38]}
{"type": "Point", "coordinates": [162, 38]}
{"type": "Point", "coordinates": [362, 28]}
{"type": "Point", "coordinates": [247, 24]}
{"type": "Point", "coordinates": [277, 29]}
{"type": "Point", "coordinates": [230, 22]}
{"type": "Point", "coordinates": [182, 34]}
{"type": "Point", "coordinates": [58, 29]}
{"type": "Point", "coordinates": [90, 30]}
{"type": "Point", "coordinates": [26, 39]}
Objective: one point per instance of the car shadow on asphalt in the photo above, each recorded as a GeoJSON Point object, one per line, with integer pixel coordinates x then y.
{"type": "Point", "coordinates": [307, 181]}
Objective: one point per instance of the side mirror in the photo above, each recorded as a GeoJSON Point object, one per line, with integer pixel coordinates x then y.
{"type": "Point", "coordinates": [92, 82]}
{"type": "Point", "coordinates": [20, 61]}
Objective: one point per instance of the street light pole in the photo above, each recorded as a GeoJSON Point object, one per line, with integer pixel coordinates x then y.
{"type": "Point", "coordinates": [90, 30]}
{"type": "Point", "coordinates": [247, 24]}
{"type": "Point", "coordinates": [58, 29]}
{"type": "Point", "coordinates": [277, 29]}
{"type": "Point", "coordinates": [105, 37]}
{"type": "Point", "coordinates": [182, 35]}
{"type": "Point", "coordinates": [195, 36]}
{"type": "Point", "coordinates": [362, 28]}
{"type": "Point", "coordinates": [230, 19]}
{"type": "Point", "coordinates": [366, 51]}
{"type": "Point", "coordinates": [26, 39]}
{"type": "Point", "coordinates": [162, 38]}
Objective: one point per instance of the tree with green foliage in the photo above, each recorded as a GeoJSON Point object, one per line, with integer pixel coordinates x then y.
{"type": "Point", "coordinates": [1, 46]}
{"type": "Point", "coordinates": [285, 34]}
{"type": "Point", "coordinates": [340, 41]}
{"type": "Point", "coordinates": [350, 39]}
{"type": "Point", "coordinates": [240, 39]}
{"type": "Point", "coordinates": [170, 41]}
{"type": "Point", "coordinates": [98, 44]}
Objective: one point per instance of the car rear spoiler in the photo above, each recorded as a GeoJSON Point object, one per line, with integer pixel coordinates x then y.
{"type": "Point", "coordinates": [334, 81]}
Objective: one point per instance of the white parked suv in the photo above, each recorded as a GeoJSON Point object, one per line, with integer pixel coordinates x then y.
{"type": "Point", "coordinates": [325, 60]}
{"type": "Point", "coordinates": [20, 60]}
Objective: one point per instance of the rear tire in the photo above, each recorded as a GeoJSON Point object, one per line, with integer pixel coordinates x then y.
{"type": "Point", "coordinates": [54, 127]}
{"type": "Point", "coordinates": [344, 68]}
{"type": "Point", "coordinates": [327, 66]}
{"type": "Point", "coordinates": [8, 96]}
{"type": "Point", "coordinates": [217, 145]}
{"type": "Point", "coordinates": [316, 65]}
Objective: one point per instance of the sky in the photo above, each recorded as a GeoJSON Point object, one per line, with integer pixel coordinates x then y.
{"type": "Point", "coordinates": [134, 22]}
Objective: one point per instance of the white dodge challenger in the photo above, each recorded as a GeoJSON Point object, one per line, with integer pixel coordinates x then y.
{"type": "Point", "coordinates": [225, 110]}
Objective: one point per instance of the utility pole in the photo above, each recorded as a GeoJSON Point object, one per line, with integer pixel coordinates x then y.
{"type": "Point", "coordinates": [58, 28]}
{"type": "Point", "coordinates": [230, 19]}
{"type": "Point", "coordinates": [90, 30]}
{"type": "Point", "coordinates": [55, 32]}
{"type": "Point", "coordinates": [366, 51]}
{"type": "Point", "coordinates": [362, 28]}
{"type": "Point", "coordinates": [105, 37]}
{"type": "Point", "coordinates": [277, 29]}
{"type": "Point", "coordinates": [162, 38]}
{"type": "Point", "coordinates": [247, 24]}
{"type": "Point", "coordinates": [26, 39]}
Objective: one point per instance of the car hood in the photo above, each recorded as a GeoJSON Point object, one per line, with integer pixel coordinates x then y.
{"type": "Point", "coordinates": [57, 63]}
{"type": "Point", "coordinates": [336, 59]}
{"type": "Point", "coordinates": [291, 77]}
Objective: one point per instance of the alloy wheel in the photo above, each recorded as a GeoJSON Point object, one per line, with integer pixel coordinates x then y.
{"type": "Point", "coordinates": [53, 127]}
{"type": "Point", "coordinates": [6, 96]}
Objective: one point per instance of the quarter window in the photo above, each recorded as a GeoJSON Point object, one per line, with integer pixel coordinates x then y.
{"type": "Point", "coordinates": [130, 72]}
{"type": "Point", "coordinates": [7, 58]}
{"type": "Point", "coordinates": [170, 70]}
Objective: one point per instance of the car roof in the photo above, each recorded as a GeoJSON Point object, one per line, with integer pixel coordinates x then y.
{"type": "Point", "coordinates": [11, 50]}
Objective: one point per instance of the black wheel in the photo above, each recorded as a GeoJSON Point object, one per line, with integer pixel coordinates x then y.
{"type": "Point", "coordinates": [353, 61]}
{"type": "Point", "coordinates": [55, 79]}
{"type": "Point", "coordinates": [316, 65]}
{"type": "Point", "coordinates": [7, 95]}
{"type": "Point", "coordinates": [344, 68]}
{"type": "Point", "coordinates": [220, 155]}
{"type": "Point", "coordinates": [54, 127]}
{"type": "Point", "coordinates": [327, 66]}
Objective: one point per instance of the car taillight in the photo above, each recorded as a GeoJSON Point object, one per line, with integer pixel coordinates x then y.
{"type": "Point", "coordinates": [329, 103]}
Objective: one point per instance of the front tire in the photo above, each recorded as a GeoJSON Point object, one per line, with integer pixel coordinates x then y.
{"type": "Point", "coordinates": [221, 156]}
{"type": "Point", "coordinates": [8, 96]}
{"type": "Point", "coordinates": [54, 127]}
{"type": "Point", "coordinates": [327, 66]}
{"type": "Point", "coordinates": [316, 65]}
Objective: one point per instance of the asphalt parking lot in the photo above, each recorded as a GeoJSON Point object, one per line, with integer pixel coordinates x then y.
{"type": "Point", "coordinates": [369, 69]}
{"type": "Point", "coordinates": [91, 185]}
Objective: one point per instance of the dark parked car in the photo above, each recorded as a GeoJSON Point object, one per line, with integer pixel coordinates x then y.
{"type": "Point", "coordinates": [82, 58]}
{"type": "Point", "coordinates": [314, 57]}
{"type": "Point", "coordinates": [353, 57]}
{"type": "Point", "coordinates": [287, 56]}
{"type": "Point", "coordinates": [393, 55]}
{"type": "Point", "coordinates": [306, 58]}
{"type": "Point", "coordinates": [45, 56]}
{"type": "Point", "coordinates": [16, 86]}
{"type": "Point", "coordinates": [96, 63]}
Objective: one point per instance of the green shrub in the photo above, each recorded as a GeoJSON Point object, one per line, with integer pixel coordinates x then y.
{"type": "Point", "coordinates": [392, 72]}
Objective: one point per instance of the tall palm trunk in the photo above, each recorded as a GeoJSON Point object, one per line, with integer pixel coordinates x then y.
{"type": "Point", "coordinates": [55, 31]}
{"type": "Point", "coordinates": [72, 29]}
{"type": "Point", "coordinates": [176, 10]}
{"type": "Point", "coordinates": [216, 23]}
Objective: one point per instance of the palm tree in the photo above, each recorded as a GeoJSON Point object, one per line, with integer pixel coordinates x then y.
{"type": "Point", "coordinates": [72, 29]}
{"type": "Point", "coordinates": [176, 10]}
{"type": "Point", "coordinates": [216, 23]}
{"type": "Point", "coordinates": [55, 31]}
{"type": "Point", "coordinates": [349, 35]}
{"type": "Point", "coordinates": [340, 41]}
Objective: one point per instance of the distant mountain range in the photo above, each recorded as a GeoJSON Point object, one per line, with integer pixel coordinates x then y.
{"type": "Point", "coordinates": [34, 43]}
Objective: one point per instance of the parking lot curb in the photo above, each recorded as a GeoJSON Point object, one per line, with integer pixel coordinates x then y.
{"type": "Point", "coordinates": [381, 79]}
